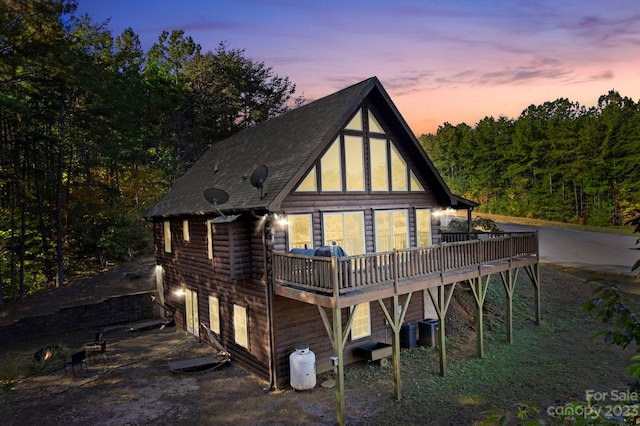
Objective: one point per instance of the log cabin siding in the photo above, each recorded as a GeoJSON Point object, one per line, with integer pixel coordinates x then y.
{"type": "Point", "coordinates": [188, 266]}
{"type": "Point", "coordinates": [297, 322]}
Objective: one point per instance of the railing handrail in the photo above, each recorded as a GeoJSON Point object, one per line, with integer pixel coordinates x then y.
{"type": "Point", "coordinates": [322, 274]}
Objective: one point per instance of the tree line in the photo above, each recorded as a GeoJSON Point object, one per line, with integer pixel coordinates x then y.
{"type": "Point", "coordinates": [559, 161]}
{"type": "Point", "coordinates": [93, 130]}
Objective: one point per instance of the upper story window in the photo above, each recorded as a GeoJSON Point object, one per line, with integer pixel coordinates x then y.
{"type": "Point", "coordinates": [300, 231]}
{"type": "Point", "coordinates": [361, 158]}
{"type": "Point", "coordinates": [331, 168]}
{"type": "Point", "coordinates": [167, 236]}
{"type": "Point", "coordinates": [392, 229]}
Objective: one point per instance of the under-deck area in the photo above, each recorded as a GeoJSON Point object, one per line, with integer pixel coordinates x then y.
{"type": "Point", "coordinates": [336, 282]}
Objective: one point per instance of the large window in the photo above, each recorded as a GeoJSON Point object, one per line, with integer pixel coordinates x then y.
{"type": "Point", "coordinates": [379, 175]}
{"type": "Point", "coordinates": [354, 163]}
{"type": "Point", "coordinates": [423, 227]}
{"type": "Point", "coordinates": [300, 231]}
{"type": "Point", "coordinates": [346, 229]}
{"type": "Point", "coordinates": [331, 168]}
{"type": "Point", "coordinates": [343, 165]}
{"type": "Point", "coordinates": [240, 326]}
{"type": "Point", "coordinates": [392, 230]}
{"type": "Point", "coordinates": [361, 325]}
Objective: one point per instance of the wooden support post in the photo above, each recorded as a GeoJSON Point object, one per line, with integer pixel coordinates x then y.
{"type": "Point", "coordinates": [534, 275]}
{"type": "Point", "coordinates": [339, 351]}
{"type": "Point", "coordinates": [395, 322]}
{"type": "Point", "coordinates": [479, 288]}
{"type": "Point", "coordinates": [441, 301]}
{"type": "Point", "coordinates": [509, 281]}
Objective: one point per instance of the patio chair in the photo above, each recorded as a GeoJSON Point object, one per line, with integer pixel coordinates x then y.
{"type": "Point", "coordinates": [97, 347]}
{"type": "Point", "coordinates": [78, 358]}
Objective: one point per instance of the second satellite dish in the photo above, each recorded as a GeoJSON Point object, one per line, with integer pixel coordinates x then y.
{"type": "Point", "coordinates": [216, 196]}
{"type": "Point", "coordinates": [258, 177]}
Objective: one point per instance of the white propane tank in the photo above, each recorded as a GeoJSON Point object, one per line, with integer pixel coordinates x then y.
{"type": "Point", "coordinates": [302, 363]}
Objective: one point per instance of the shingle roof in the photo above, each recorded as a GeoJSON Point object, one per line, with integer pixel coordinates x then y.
{"type": "Point", "coordinates": [284, 144]}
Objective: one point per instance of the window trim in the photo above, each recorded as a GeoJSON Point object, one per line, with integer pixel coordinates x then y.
{"type": "Point", "coordinates": [356, 317]}
{"type": "Point", "coordinates": [289, 228]}
{"type": "Point", "coordinates": [362, 229]}
{"type": "Point", "coordinates": [407, 226]}
{"type": "Point", "coordinates": [241, 339]}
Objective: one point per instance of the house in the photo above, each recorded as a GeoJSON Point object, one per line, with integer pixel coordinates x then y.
{"type": "Point", "coordinates": [244, 240]}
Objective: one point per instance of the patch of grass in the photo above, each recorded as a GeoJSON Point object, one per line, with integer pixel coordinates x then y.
{"type": "Point", "coordinates": [545, 366]}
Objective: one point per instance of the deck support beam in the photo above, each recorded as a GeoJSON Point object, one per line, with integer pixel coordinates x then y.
{"type": "Point", "coordinates": [338, 338]}
{"type": "Point", "coordinates": [479, 287]}
{"type": "Point", "coordinates": [441, 300]}
{"type": "Point", "coordinates": [534, 275]}
{"type": "Point", "coordinates": [395, 321]}
{"type": "Point", "coordinates": [509, 279]}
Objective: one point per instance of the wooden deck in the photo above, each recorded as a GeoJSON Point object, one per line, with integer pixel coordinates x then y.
{"type": "Point", "coordinates": [346, 281]}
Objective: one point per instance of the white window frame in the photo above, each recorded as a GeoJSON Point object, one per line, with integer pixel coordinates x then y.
{"type": "Point", "coordinates": [241, 326]}
{"type": "Point", "coordinates": [361, 324]}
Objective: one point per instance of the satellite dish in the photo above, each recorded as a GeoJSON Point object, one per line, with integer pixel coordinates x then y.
{"type": "Point", "coordinates": [216, 196]}
{"type": "Point", "coordinates": [258, 177]}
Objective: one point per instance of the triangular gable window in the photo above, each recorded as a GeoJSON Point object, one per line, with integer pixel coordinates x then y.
{"type": "Point", "coordinates": [374, 126]}
{"type": "Point", "coordinates": [342, 166]}
{"type": "Point", "coordinates": [414, 183]}
{"type": "Point", "coordinates": [309, 183]}
{"type": "Point", "coordinates": [356, 122]}
{"type": "Point", "coordinates": [398, 170]}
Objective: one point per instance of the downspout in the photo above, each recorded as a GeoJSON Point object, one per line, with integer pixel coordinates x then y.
{"type": "Point", "coordinates": [268, 300]}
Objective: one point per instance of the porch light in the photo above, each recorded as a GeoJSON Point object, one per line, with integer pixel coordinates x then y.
{"type": "Point", "coordinates": [282, 221]}
{"type": "Point", "coordinates": [179, 293]}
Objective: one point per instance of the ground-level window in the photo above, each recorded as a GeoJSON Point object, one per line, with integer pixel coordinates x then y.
{"type": "Point", "coordinates": [346, 229]}
{"type": "Point", "coordinates": [167, 236]}
{"type": "Point", "coordinates": [240, 326]}
{"type": "Point", "coordinates": [214, 314]}
{"type": "Point", "coordinates": [361, 325]}
{"type": "Point", "coordinates": [392, 230]}
{"type": "Point", "coordinates": [300, 231]}
{"type": "Point", "coordinates": [191, 312]}
{"type": "Point", "coordinates": [423, 227]}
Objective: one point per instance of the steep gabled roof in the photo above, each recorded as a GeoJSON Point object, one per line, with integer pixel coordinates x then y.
{"type": "Point", "coordinates": [284, 144]}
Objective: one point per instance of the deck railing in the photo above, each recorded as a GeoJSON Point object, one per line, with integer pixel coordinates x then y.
{"type": "Point", "coordinates": [315, 273]}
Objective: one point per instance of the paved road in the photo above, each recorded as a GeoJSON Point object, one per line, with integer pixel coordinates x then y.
{"type": "Point", "coordinates": [583, 249]}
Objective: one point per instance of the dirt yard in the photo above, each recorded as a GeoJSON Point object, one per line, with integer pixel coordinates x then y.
{"type": "Point", "coordinates": [134, 385]}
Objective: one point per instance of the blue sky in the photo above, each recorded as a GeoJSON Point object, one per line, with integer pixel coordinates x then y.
{"type": "Point", "coordinates": [441, 61]}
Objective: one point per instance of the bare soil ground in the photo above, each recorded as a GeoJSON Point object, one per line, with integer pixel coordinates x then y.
{"type": "Point", "coordinates": [135, 386]}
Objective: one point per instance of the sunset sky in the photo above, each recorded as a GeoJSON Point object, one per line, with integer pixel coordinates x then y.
{"type": "Point", "coordinates": [441, 61]}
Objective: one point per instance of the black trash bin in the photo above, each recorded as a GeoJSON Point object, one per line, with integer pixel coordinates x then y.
{"type": "Point", "coordinates": [408, 335]}
{"type": "Point", "coordinates": [427, 330]}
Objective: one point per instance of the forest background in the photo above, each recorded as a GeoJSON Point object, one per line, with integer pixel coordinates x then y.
{"type": "Point", "coordinates": [93, 130]}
